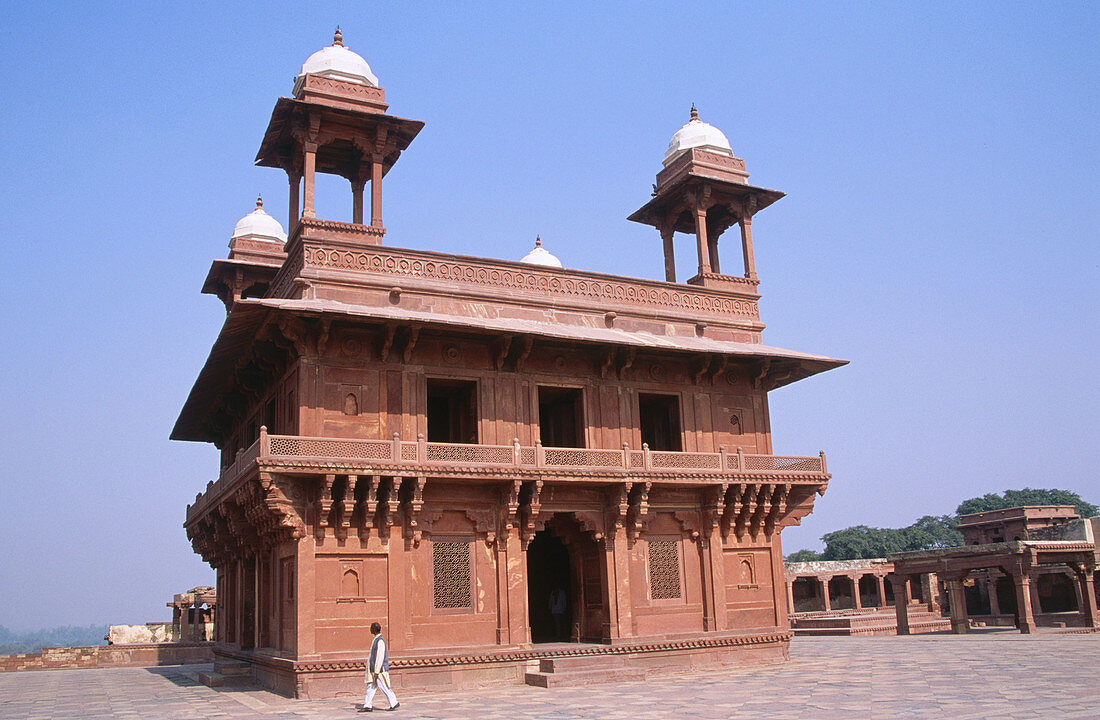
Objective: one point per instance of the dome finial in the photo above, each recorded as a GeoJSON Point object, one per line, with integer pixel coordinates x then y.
{"type": "Point", "coordinates": [694, 112]}
{"type": "Point", "coordinates": [259, 201]}
{"type": "Point", "coordinates": [338, 37]}
{"type": "Point", "coordinates": [538, 241]}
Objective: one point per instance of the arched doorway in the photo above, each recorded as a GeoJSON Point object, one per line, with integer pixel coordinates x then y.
{"type": "Point", "coordinates": [564, 555]}
{"type": "Point", "coordinates": [549, 572]}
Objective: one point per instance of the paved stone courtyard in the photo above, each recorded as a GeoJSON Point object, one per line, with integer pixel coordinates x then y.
{"type": "Point", "coordinates": [992, 674]}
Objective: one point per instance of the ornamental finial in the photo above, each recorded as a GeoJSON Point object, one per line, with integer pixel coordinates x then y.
{"type": "Point", "coordinates": [338, 37]}
{"type": "Point", "coordinates": [259, 201]}
{"type": "Point", "coordinates": [538, 241]}
{"type": "Point", "coordinates": [694, 112]}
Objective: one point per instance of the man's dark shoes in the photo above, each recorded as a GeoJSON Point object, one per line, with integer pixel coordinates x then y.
{"type": "Point", "coordinates": [394, 707]}
{"type": "Point", "coordinates": [366, 709]}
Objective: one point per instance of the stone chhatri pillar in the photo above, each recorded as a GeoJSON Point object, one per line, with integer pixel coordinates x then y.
{"type": "Point", "coordinates": [857, 601]}
{"type": "Point", "coordinates": [309, 176]}
{"type": "Point", "coordinates": [881, 590]}
{"type": "Point", "coordinates": [956, 593]}
{"type": "Point", "coordinates": [376, 190]}
{"type": "Point", "coordinates": [746, 246]}
{"type": "Point", "coordinates": [670, 259]}
{"type": "Point", "coordinates": [295, 180]}
{"type": "Point", "coordinates": [790, 596]}
{"type": "Point", "coordinates": [900, 584]}
{"type": "Point", "coordinates": [701, 236]}
{"type": "Point", "coordinates": [357, 186]}
{"type": "Point", "coordinates": [824, 582]}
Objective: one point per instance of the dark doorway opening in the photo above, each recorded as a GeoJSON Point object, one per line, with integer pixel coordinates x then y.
{"type": "Point", "coordinates": [560, 413]}
{"type": "Point", "coordinates": [452, 411]}
{"type": "Point", "coordinates": [659, 417]}
{"type": "Point", "coordinates": [548, 572]}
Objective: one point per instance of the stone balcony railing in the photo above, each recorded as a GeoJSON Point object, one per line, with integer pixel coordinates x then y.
{"type": "Point", "coordinates": [419, 456]}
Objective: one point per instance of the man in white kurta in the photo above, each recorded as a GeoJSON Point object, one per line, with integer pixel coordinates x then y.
{"type": "Point", "coordinates": [378, 671]}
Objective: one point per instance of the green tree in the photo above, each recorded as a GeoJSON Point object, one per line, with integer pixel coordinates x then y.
{"type": "Point", "coordinates": [804, 556]}
{"type": "Point", "coordinates": [1027, 496]}
{"type": "Point", "coordinates": [932, 531]}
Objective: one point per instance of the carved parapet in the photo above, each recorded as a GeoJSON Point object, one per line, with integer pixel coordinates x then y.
{"type": "Point", "coordinates": [737, 299]}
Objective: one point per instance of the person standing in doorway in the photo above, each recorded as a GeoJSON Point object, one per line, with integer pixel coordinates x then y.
{"type": "Point", "coordinates": [378, 671]}
{"type": "Point", "coordinates": [557, 611]}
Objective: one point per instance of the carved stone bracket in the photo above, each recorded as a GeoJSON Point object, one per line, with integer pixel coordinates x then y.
{"type": "Point", "coordinates": [690, 524]}
{"type": "Point", "coordinates": [411, 498]}
{"type": "Point", "coordinates": [530, 507]}
{"type": "Point", "coordinates": [618, 507]}
{"type": "Point", "coordinates": [638, 512]}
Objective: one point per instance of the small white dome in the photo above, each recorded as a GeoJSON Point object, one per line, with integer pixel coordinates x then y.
{"type": "Point", "coordinates": [697, 134]}
{"type": "Point", "coordinates": [258, 225]}
{"type": "Point", "coordinates": [336, 61]}
{"type": "Point", "coordinates": [540, 256]}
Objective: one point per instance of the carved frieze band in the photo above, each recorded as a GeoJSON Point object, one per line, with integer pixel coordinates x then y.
{"type": "Point", "coordinates": [594, 289]}
{"type": "Point", "coordinates": [285, 280]}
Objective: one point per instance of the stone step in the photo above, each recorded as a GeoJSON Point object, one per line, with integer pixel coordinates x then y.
{"type": "Point", "coordinates": [216, 679]}
{"type": "Point", "coordinates": [579, 678]}
{"type": "Point", "coordinates": [231, 667]}
{"type": "Point", "coordinates": [578, 663]}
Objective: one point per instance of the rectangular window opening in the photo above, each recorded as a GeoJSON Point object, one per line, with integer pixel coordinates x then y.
{"type": "Point", "coordinates": [660, 421]}
{"type": "Point", "coordinates": [452, 411]}
{"type": "Point", "coordinates": [561, 417]}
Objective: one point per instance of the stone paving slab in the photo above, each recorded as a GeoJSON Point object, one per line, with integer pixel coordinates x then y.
{"type": "Point", "coordinates": [1001, 674]}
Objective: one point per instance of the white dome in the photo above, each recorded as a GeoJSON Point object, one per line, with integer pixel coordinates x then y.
{"type": "Point", "coordinates": [258, 225]}
{"type": "Point", "coordinates": [337, 62]}
{"type": "Point", "coordinates": [697, 134]}
{"type": "Point", "coordinates": [540, 256]}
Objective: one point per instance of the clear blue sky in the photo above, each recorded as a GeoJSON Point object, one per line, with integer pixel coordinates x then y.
{"type": "Point", "coordinates": [940, 232]}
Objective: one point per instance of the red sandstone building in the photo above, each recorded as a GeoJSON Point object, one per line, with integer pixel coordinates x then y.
{"type": "Point", "coordinates": [437, 442]}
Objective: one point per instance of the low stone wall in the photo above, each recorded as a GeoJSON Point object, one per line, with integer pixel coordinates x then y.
{"type": "Point", "coordinates": [105, 656]}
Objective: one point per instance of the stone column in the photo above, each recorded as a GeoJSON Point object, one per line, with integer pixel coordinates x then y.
{"type": "Point", "coordinates": [931, 589]}
{"type": "Point", "coordinates": [900, 583]}
{"type": "Point", "coordinates": [825, 593]}
{"type": "Point", "coordinates": [376, 190]}
{"type": "Point", "coordinates": [956, 593]}
{"type": "Point", "coordinates": [715, 558]}
{"type": "Point", "coordinates": [881, 590]}
{"type": "Point", "coordinates": [746, 246]}
{"type": "Point", "coordinates": [670, 259]}
{"type": "Point", "coordinates": [1086, 584]}
{"type": "Point", "coordinates": [857, 601]}
{"type": "Point", "coordinates": [295, 180]}
{"type": "Point", "coordinates": [620, 559]}
{"type": "Point", "coordinates": [790, 597]}
{"type": "Point", "coordinates": [515, 558]}
{"type": "Point", "coordinates": [701, 238]}
{"type": "Point", "coordinates": [1036, 604]}
{"type": "Point", "coordinates": [1024, 613]}
{"type": "Point", "coordinates": [185, 624]}
{"type": "Point", "coordinates": [994, 601]}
